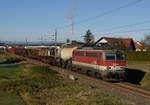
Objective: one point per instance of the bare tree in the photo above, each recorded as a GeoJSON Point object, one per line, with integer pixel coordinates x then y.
{"type": "Point", "coordinates": [146, 40]}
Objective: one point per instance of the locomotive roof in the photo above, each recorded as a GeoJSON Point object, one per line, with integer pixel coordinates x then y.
{"type": "Point", "coordinates": [99, 50]}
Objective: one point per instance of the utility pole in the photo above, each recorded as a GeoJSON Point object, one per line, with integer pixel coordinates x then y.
{"type": "Point", "coordinates": [26, 41]}
{"type": "Point", "coordinates": [55, 42]}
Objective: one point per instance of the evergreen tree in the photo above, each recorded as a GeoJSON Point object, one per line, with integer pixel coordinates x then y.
{"type": "Point", "coordinates": [89, 37]}
{"type": "Point", "coordinates": [67, 40]}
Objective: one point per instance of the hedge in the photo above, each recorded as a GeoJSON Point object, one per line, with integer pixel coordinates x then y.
{"type": "Point", "coordinates": [137, 55]}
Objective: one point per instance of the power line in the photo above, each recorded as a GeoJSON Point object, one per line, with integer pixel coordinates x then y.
{"type": "Point", "coordinates": [129, 25]}
{"type": "Point", "coordinates": [109, 12]}
{"type": "Point", "coordinates": [123, 26]}
{"type": "Point", "coordinates": [137, 30]}
{"type": "Point", "coordinates": [120, 32]}
{"type": "Point", "coordinates": [105, 13]}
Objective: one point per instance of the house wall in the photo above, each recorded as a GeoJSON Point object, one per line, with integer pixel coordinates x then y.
{"type": "Point", "coordinates": [131, 47]}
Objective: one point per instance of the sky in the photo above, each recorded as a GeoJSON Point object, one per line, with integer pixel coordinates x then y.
{"type": "Point", "coordinates": [36, 20]}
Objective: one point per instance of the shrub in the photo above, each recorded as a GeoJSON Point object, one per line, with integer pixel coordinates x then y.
{"type": "Point", "coordinates": [6, 58]}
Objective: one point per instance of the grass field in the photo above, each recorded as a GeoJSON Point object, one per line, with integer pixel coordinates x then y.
{"type": "Point", "coordinates": [8, 71]}
{"type": "Point", "coordinates": [10, 99]}
{"type": "Point", "coordinates": [38, 85]}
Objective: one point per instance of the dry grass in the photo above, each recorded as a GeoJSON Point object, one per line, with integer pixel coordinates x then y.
{"type": "Point", "coordinates": [39, 85]}
{"type": "Point", "coordinates": [7, 58]}
{"type": "Point", "coordinates": [139, 65]}
{"type": "Point", "coordinates": [146, 81]}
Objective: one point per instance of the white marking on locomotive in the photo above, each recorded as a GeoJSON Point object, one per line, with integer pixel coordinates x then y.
{"type": "Point", "coordinates": [98, 67]}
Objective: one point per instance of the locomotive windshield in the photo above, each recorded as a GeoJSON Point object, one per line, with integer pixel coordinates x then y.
{"type": "Point", "coordinates": [110, 56]}
{"type": "Point", "coordinates": [114, 56]}
{"type": "Point", "coordinates": [120, 56]}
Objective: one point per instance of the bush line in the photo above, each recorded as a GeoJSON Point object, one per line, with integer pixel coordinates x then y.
{"type": "Point", "coordinates": [137, 55]}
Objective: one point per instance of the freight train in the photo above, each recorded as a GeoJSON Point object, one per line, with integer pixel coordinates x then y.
{"type": "Point", "coordinates": [103, 64]}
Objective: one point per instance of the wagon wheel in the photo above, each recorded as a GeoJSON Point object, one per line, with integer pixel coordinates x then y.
{"type": "Point", "coordinates": [97, 75]}
{"type": "Point", "coordinates": [63, 65]}
{"type": "Point", "coordinates": [88, 72]}
{"type": "Point", "coordinates": [69, 67]}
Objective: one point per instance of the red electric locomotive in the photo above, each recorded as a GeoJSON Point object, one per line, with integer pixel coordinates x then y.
{"type": "Point", "coordinates": [104, 64]}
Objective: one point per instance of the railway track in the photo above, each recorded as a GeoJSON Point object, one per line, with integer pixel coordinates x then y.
{"type": "Point", "coordinates": [132, 93]}
{"type": "Point", "coordinates": [134, 89]}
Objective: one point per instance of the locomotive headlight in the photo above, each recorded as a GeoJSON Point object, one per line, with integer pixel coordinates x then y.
{"type": "Point", "coordinates": [122, 68]}
{"type": "Point", "coordinates": [108, 68]}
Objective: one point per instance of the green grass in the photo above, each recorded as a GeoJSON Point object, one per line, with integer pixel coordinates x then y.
{"type": "Point", "coordinates": [10, 99]}
{"type": "Point", "coordinates": [8, 71]}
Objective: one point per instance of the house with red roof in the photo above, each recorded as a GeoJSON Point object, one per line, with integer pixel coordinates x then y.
{"type": "Point", "coordinates": [139, 46]}
{"type": "Point", "coordinates": [117, 43]}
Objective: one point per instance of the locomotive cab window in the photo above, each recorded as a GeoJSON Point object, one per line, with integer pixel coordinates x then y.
{"type": "Point", "coordinates": [109, 56]}
{"type": "Point", "coordinates": [91, 54]}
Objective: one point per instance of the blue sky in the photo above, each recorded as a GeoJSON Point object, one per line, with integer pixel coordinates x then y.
{"type": "Point", "coordinates": [37, 19]}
